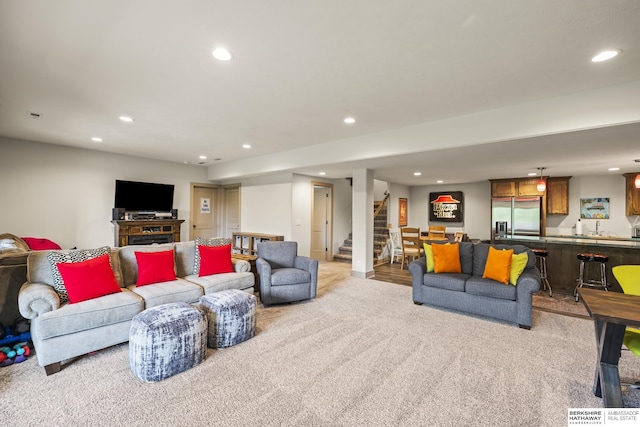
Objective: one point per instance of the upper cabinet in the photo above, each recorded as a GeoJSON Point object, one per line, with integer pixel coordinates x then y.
{"type": "Point", "coordinates": [633, 195]}
{"type": "Point", "coordinates": [503, 188]}
{"type": "Point", "coordinates": [558, 195]}
{"type": "Point", "coordinates": [515, 187]}
{"type": "Point", "coordinates": [528, 187]}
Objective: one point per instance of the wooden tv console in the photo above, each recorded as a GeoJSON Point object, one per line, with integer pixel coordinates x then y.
{"type": "Point", "coordinates": [146, 232]}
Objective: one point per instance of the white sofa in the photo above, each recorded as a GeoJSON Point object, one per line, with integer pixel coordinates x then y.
{"type": "Point", "coordinates": [61, 331]}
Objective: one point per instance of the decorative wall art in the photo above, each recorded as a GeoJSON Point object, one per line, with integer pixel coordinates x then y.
{"type": "Point", "coordinates": [596, 208]}
{"type": "Point", "coordinates": [403, 214]}
{"type": "Point", "coordinates": [446, 206]}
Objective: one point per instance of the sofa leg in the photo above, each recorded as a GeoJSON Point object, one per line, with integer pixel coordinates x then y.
{"type": "Point", "coordinates": [54, 368]}
{"type": "Point", "coordinates": [417, 303]}
{"type": "Point", "coordinates": [524, 327]}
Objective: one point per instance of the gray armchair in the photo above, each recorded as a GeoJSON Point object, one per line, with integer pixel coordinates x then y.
{"type": "Point", "coordinates": [285, 276]}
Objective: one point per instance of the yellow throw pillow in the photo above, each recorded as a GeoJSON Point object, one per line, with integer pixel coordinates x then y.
{"type": "Point", "coordinates": [446, 258]}
{"type": "Point", "coordinates": [498, 266]}
{"type": "Point", "coordinates": [428, 254]}
{"type": "Point", "coordinates": [518, 264]}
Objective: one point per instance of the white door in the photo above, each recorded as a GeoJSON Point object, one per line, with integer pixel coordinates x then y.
{"type": "Point", "coordinates": [203, 207]}
{"type": "Point", "coordinates": [321, 223]}
{"type": "Point", "coordinates": [232, 210]}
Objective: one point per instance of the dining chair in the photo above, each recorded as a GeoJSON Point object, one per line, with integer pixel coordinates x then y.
{"type": "Point", "coordinates": [395, 244]}
{"type": "Point", "coordinates": [629, 278]}
{"type": "Point", "coordinates": [411, 244]}
{"type": "Point", "coordinates": [437, 232]}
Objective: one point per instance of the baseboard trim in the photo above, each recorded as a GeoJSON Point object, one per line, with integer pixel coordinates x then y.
{"type": "Point", "coordinates": [363, 274]}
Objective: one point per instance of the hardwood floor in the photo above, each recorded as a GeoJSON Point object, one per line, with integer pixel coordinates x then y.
{"type": "Point", "coordinates": [392, 273]}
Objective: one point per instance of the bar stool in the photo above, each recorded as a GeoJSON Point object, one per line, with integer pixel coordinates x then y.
{"type": "Point", "coordinates": [598, 281]}
{"type": "Point", "coordinates": [541, 257]}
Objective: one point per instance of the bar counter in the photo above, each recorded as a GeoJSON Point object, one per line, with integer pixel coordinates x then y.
{"type": "Point", "coordinates": [562, 261]}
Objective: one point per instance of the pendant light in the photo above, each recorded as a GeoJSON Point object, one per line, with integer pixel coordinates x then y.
{"type": "Point", "coordinates": [542, 186]}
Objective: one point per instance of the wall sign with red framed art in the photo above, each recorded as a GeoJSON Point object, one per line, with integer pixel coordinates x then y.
{"type": "Point", "coordinates": [446, 206]}
{"type": "Point", "coordinates": [403, 212]}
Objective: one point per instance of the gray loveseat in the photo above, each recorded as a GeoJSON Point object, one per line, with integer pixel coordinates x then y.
{"type": "Point", "coordinates": [61, 331]}
{"type": "Point", "coordinates": [468, 292]}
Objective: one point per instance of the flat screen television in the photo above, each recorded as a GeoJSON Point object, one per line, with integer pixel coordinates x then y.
{"type": "Point", "coordinates": [143, 196]}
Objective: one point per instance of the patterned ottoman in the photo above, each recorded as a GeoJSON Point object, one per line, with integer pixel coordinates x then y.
{"type": "Point", "coordinates": [166, 340]}
{"type": "Point", "coordinates": [231, 316]}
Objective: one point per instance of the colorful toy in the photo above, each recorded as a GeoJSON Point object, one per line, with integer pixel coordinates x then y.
{"type": "Point", "coordinates": [16, 354]}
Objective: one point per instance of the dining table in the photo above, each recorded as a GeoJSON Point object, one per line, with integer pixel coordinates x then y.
{"type": "Point", "coordinates": [611, 312]}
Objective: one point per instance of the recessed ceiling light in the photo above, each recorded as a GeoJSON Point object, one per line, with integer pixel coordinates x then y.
{"type": "Point", "coordinates": [126, 119]}
{"type": "Point", "coordinates": [202, 157]}
{"type": "Point", "coordinates": [532, 173]}
{"type": "Point", "coordinates": [246, 146]}
{"type": "Point", "coordinates": [96, 139]}
{"type": "Point", "coordinates": [349, 120]}
{"type": "Point", "coordinates": [217, 159]}
{"type": "Point", "coordinates": [439, 181]}
{"type": "Point", "coordinates": [613, 169]}
{"type": "Point", "coordinates": [322, 173]}
{"type": "Point", "coordinates": [222, 54]}
{"type": "Point", "coordinates": [417, 173]}
{"type": "Point", "coordinates": [605, 55]}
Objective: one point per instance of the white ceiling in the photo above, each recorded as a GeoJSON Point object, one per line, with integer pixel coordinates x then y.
{"type": "Point", "coordinates": [300, 67]}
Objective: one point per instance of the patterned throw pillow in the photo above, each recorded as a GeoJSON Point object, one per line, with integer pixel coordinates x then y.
{"type": "Point", "coordinates": [214, 241]}
{"type": "Point", "coordinates": [73, 256]}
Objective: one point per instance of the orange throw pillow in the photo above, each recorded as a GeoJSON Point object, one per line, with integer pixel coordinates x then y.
{"type": "Point", "coordinates": [498, 266]}
{"type": "Point", "coordinates": [446, 259]}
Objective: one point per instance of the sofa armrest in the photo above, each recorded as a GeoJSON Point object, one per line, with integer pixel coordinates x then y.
{"type": "Point", "coordinates": [418, 269]}
{"type": "Point", "coordinates": [305, 263]}
{"type": "Point", "coordinates": [240, 265]}
{"type": "Point", "coordinates": [528, 282]}
{"type": "Point", "coordinates": [308, 264]}
{"type": "Point", "coordinates": [35, 299]}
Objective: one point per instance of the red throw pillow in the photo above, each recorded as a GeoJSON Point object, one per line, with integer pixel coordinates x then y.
{"type": "Point", "coordinates": [89, 279]}
{"type": "Point", "coordinates": [215, 260]}
{"type": "Point", "coordinates": [155, 267]}
{"type": "Point", "coordinates": [37, 244]}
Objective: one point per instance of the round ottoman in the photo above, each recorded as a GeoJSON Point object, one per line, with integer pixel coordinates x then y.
{"type": "Point", "coordinates": [166, 340]}
{"type": "Point", "coordinates": [231, 317]}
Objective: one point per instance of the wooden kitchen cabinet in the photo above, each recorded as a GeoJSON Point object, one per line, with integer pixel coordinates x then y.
{"type": "Point", "coordinates": [503, 188]}
{"type": "Point", "coordinates": [558, 195]}
{"type": "Point", "coordinates": [528, 187]}
{"type": "Point", "coordinates": [515, 187]}
{"type": "Point", "coordinates": [632, 205]}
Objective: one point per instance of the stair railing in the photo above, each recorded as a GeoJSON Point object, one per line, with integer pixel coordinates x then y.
{"type": "Point", "coordinates": [380, 206]}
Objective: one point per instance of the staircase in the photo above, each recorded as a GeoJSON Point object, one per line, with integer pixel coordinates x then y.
{"type": "Point", "coordinates": [380, 236]}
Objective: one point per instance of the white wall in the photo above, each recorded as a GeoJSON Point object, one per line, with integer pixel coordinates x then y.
{"type": "Point", "coordinates": [397, 191]}
{"type": "Point", "coordinates": [267, 205]}
{"type": "Point", "coordinates": [583, 187]}
{"type": "Point", "coordinates": [281, 204]}
{"type": "Point", "coordinates": [379, 187]}
{"type": "Point", "coordinates": [301, 213]}
{"type": "Point", "coordinates": [477, 208]}
{"type": "Point", "coordinates": [66, 194]}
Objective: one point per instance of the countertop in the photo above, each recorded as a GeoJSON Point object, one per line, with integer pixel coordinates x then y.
{"type": "Point", "coordinates": [611, 241]}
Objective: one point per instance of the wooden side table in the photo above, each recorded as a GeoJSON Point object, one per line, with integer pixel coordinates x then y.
{"type": "Point", "coordinates": [251, 259]}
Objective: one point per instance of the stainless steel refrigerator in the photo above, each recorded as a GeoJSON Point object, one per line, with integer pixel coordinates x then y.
{"type": "Point", "coordinates": [522, 215]}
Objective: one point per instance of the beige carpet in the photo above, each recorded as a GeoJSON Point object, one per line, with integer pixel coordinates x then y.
{"type": "Point", "coordinates": [360, 354]}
